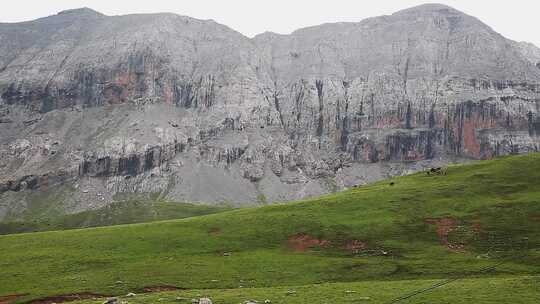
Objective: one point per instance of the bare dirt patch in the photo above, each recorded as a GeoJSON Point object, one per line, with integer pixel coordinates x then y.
{"type": "Point", "coordinates": [302, 242]}
{"type": "Point", "coordinates": [355, 246]}
{"type": "Point", "coordinates": [535, 217]}
{"type": "Point", "coordinates": [214, 231]}
{"type": "Point", "coordinates": [82, 296]}
{"type": "Point", "coordinates": [10, 298]}
{"type": "Point", "coordinates": [68, 298]}
{"type": "Point", "coordinates": [444, 227]}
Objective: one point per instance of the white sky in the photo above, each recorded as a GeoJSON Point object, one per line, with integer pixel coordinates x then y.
{"type": "Point", "coordinates": [516, 19]}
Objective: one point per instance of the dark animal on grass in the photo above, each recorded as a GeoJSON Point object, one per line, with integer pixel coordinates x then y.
{"type": "Point", "coordinates": [436, 171]}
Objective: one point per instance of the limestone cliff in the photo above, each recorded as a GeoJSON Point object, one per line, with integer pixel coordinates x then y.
{"type": "Point", "coordinates": [190, 109]}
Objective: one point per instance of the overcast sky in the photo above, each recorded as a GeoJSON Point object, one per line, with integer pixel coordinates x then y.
{"type": "Point", "coordinates": [516, 19]}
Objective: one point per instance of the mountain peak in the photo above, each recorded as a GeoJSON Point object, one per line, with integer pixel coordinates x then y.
{"type": "Point", "coordinates": [81, 11]}
{"type": "Point", "coordinates": [429, 8]}
{"type": "Point", "coordinates": [196, 98]}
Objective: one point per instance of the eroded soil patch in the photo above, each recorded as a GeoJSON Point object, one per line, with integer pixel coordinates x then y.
{"type": "Point", "coordinates": [83, 296]}
{"type": "Point", "coordinates": [302, 242]}
{"type": "Point", "coordinates": [355, 246]}
{"type": "Point", "coordinates": [444, 227]}
{"type": "Point", "coordinates": [214, 231]}
{"type": "Point", "coordinates": [535, 217]}
{"type": "Point", "coordinates": [68, 298]}
{"type": "Point", "coordinates": [10, 298]}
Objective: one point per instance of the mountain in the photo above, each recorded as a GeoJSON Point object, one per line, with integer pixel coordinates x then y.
{"type": "Point", "coordinates": [94, 106]}
{"type": "Point", "coordinates": [530, 51]}
{"type": "Point", "coordinates": [478, 223]}
{"type": "Point", "coordinates": [428, 41]}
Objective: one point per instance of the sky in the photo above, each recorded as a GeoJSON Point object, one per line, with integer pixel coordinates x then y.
{"type": "Point", "coordinates": [516, 19]}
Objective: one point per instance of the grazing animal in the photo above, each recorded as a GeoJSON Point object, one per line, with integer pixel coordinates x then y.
{"type": "Point", "coordinates": [436, 171]}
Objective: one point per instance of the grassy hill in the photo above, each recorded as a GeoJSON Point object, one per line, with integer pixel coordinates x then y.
{"type": "Point", "coordinates": [516, 290]}
{"type": "Point", "coordinates": [121, 212]}
{"type": "Point", "coordinates": [412, 231]}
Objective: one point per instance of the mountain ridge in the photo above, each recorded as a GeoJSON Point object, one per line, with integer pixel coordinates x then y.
{"type": "Point", "coordinates": [194, 111]}
{"type": "Point", "coordinates": [417, 11]}
{"type": "Point", "coordinates": [428, 7]}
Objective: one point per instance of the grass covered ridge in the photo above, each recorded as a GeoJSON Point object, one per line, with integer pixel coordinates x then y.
{"type": "Point", "coordinates": [121, 212]}
{"type": "Point", "coordinates": [416, 227]}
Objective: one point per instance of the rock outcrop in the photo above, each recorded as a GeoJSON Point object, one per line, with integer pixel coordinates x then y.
{"type": "Point", "coordinates": [195, 111]}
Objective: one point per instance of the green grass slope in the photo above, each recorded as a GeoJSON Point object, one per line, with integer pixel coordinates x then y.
{"type": "Point", "coordinates": [515, 290]}
{"type": "Point", "coordinates": [121, 212]}
{"type": "Point", "coordinates": [416, 227]}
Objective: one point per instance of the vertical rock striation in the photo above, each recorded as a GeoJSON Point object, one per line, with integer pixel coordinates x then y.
{"type": "Point", "coordinates": [195, 111]}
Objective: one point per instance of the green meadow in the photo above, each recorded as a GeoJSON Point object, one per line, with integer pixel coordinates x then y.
{"type": "Point", "coordinates": [479, 224]}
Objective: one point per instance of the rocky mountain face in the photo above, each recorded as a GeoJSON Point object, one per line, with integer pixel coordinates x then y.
{"type": "Point", "coordinates": [530, 51]}
{"type": "Point", "coordinates": [96, 106]}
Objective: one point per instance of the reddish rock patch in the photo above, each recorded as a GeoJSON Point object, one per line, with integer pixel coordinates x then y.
{"type": "Point", "coordinates": [10, 298]}
{"type": "Point", "coordinates": [68, 298]}
{"type": "Point", "coordinates": [470, 141]}
{"type": "Point", "coordinates": [162, 288]}
{"type": "Point", "coordinates": [302, 242]}
{"type": "Point", "coordinates": [355, 246]}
